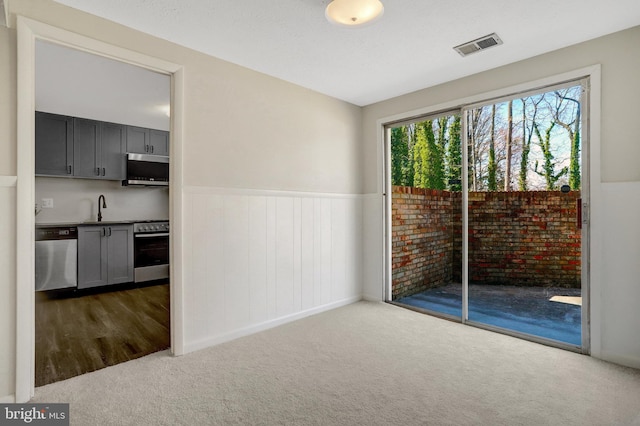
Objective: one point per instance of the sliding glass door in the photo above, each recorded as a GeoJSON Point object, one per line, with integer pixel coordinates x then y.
{"type": "Point", "coordinates": [524, 229]}
{"type": "Point", "coordinates": [426, 188]}
{"type": "Point", "coordinates": [486, 214]}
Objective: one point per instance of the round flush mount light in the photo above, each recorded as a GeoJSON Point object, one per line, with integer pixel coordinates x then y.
{"type": "Point", "coordinates": [354, 13]}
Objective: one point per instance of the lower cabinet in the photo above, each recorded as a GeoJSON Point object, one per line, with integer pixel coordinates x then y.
{"type": "Point", "coordinates": [105, 255]}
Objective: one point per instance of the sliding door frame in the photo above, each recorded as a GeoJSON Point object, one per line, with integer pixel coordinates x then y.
{"type": "Point", "coordinates": [584, 83]}
{"type": "Point", "coordinates": [589, 78]}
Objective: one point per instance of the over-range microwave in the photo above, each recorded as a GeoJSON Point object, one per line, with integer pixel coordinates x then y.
{"type": "Point", "coordinates": [147, 170]}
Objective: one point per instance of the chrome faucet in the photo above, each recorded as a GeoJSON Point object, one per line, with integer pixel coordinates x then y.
{"type": "Point", "coordinates": [104, 206]}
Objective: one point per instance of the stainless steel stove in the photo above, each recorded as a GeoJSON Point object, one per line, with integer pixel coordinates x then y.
{"type": "Point", "coordinates": [151, 250]}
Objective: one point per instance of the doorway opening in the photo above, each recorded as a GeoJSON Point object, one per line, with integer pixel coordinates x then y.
{"type": "Point", "coordinates": [29, 31]}
{"type": "Point", "coordinates": [93, 305]}
{"type": "Point", "coordinates": [487, 223]}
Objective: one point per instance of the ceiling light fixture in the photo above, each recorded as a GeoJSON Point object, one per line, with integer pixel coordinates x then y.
{"type": "Point", "coordinates": [354, 13]}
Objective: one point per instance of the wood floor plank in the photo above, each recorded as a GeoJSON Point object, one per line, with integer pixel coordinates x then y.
{"type": "Point", "coordinates": [82, 332]}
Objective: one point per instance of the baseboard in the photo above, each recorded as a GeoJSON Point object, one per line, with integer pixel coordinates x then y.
{"type": "Point", "coordinates": [202, 344]}
{"type": "Point", "coordinates": [625, 361]}
{"type": "Point", "coordinates": [372, 298]}
{"type": "Point", "coordinates": [9, 399]}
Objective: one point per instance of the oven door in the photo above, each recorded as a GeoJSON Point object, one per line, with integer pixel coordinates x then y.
{"type": "Point", "coordinates": [151, 257]}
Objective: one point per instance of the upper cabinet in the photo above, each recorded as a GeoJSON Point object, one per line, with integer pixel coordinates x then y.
{"type": "Point", "coordinates": [112, 147]}
{"type": "Point", "coordinates": [82, 148]}
{"type": "Point", "coordinates": [147, 141]}
{"type": "Point", "coordinates": [98, 149]}
{"type": "Point", "coordinates": [54, 145]}
{"type": "Point", "coordinates": [86, 138]}
{"type": "Point", "coordinates": [159, 141]}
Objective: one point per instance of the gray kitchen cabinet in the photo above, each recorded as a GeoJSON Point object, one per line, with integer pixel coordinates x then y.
{"type": "Point", "coordinates": [54, 145]}
{"type": "Point", "coordinates": [113, 147]}
{"type": "Point", "coordinates": [86, 137]}
{"type": "Point", "coordinates": [159, 141]}
{"type": "Point", "coordinates": [105, 255]}
{"type": "Point", "coordinates": [147, 141]}
{"type": "Point", "coordinates": [99, 149]}
{"type": "Point", "coordinates": [84, 148]}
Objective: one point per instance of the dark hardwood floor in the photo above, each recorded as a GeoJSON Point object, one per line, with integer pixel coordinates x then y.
{"type": "Point", "coordinates": [85, 331]}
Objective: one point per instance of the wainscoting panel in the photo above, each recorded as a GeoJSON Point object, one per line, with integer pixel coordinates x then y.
{"type": "Point", "coordinates": [7, 288]}
{"type": "Point", "coordinates": [257, 259]}
{"type": "Point", "coordinates": [615, 296]}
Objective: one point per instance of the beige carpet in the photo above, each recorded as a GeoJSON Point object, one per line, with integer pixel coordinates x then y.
{"type": "Point", "coordinates": [364, 364]}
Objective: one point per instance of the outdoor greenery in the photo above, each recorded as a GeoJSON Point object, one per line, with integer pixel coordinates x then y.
{"type": "Point", "coordinates": [531, 143]}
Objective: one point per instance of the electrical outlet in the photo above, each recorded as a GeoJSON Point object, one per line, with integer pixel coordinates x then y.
{"type": "Point", "coordinates": [47, 203]}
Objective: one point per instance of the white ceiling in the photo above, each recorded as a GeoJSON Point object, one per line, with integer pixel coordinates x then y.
{"type": "Point", "coordinates": [410, 48]}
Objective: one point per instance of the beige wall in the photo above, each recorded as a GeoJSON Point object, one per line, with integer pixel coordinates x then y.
{"type": "Point", "coordinates": [242, 130]}
{"type": "Point", "coordinates": [7, 102]}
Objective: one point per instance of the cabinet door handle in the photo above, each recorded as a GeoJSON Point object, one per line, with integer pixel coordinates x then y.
{"type": "Point", "coordinates": [109, 231]}
{"type": "Point", "coordinates": [104, 171]}
{"type": "Point", "coordinates": [69, 169]}
{"type": "Point", "coordinates": [97, 171]}
{"type": "Point", "coordinates": [104, 232]}
{"type": "Point", "coordinates": [146, 148]}
{"type": "Point", "coordinates": [152, 149]}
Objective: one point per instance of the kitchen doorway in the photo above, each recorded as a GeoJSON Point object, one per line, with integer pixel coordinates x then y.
{"type": "Point", "coordinates": [112, 304]}
{"type": "Point", "coordinates": [28, 32]}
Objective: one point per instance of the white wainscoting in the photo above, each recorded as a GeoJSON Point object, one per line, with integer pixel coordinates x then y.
{"type": "Point", "coordinates": [255, 259]}
{"type": "Point", "coordinates": [618, 293]}
{"type": "Point", "coordinates": [373, 247]}
{"type": "Point", "coordinates": [7, 288]}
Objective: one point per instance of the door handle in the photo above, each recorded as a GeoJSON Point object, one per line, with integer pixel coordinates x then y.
{"type": "Point", "coordinates": [582, 213]}
{"type": "Point", "coordinates": [104, 232]}
{"type": "Point", "coordinates": [152, 149]}
{"type": "Point", "coordinates": [109, 231]}
{"type": "Point", "coordinates": [69, 169]}
{"type": "Point", "coordinates": [104, 171]}
{"type": "Point", "coordinates": [97, 171]}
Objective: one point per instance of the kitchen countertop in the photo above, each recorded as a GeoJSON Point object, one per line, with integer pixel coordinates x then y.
{"type": "Point", "coordinates": [93, 222]}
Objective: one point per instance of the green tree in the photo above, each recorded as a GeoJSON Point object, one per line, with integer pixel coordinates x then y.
{"type": "Point", "coordinates": [548, 168]}
{"type": "Point", "coordinates": [454, 156]}
{"type": "Point", "coordinates": [428, 164]}
{"type": "Point", "coordinates": [527, 134]}
{"type": "Point", "coordinates": [573, 129]}
{"type": "Point", "coordinates": [574, 162]}
{"type": "Point", "coordinates": [492, 167]}
{"type": "Point", "coordinates": [399, 155]}
{"type": "Point", "coordinates": [526, 148]}
{"type": "Point", "coordinates": [509, 143]}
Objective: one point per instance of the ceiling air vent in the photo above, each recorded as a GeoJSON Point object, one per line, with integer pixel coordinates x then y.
{"type": "Point", "coordinates": [478, 44]}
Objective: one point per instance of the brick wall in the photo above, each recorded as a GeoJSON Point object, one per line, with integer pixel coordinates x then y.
{"type": "Point", "coordinates": [422, 239]}
{"type": "Point", "coordinates": [515, 238]}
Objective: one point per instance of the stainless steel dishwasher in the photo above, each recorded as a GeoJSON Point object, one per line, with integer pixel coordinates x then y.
{"type": "Point", "coordinates": [56, 257]}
